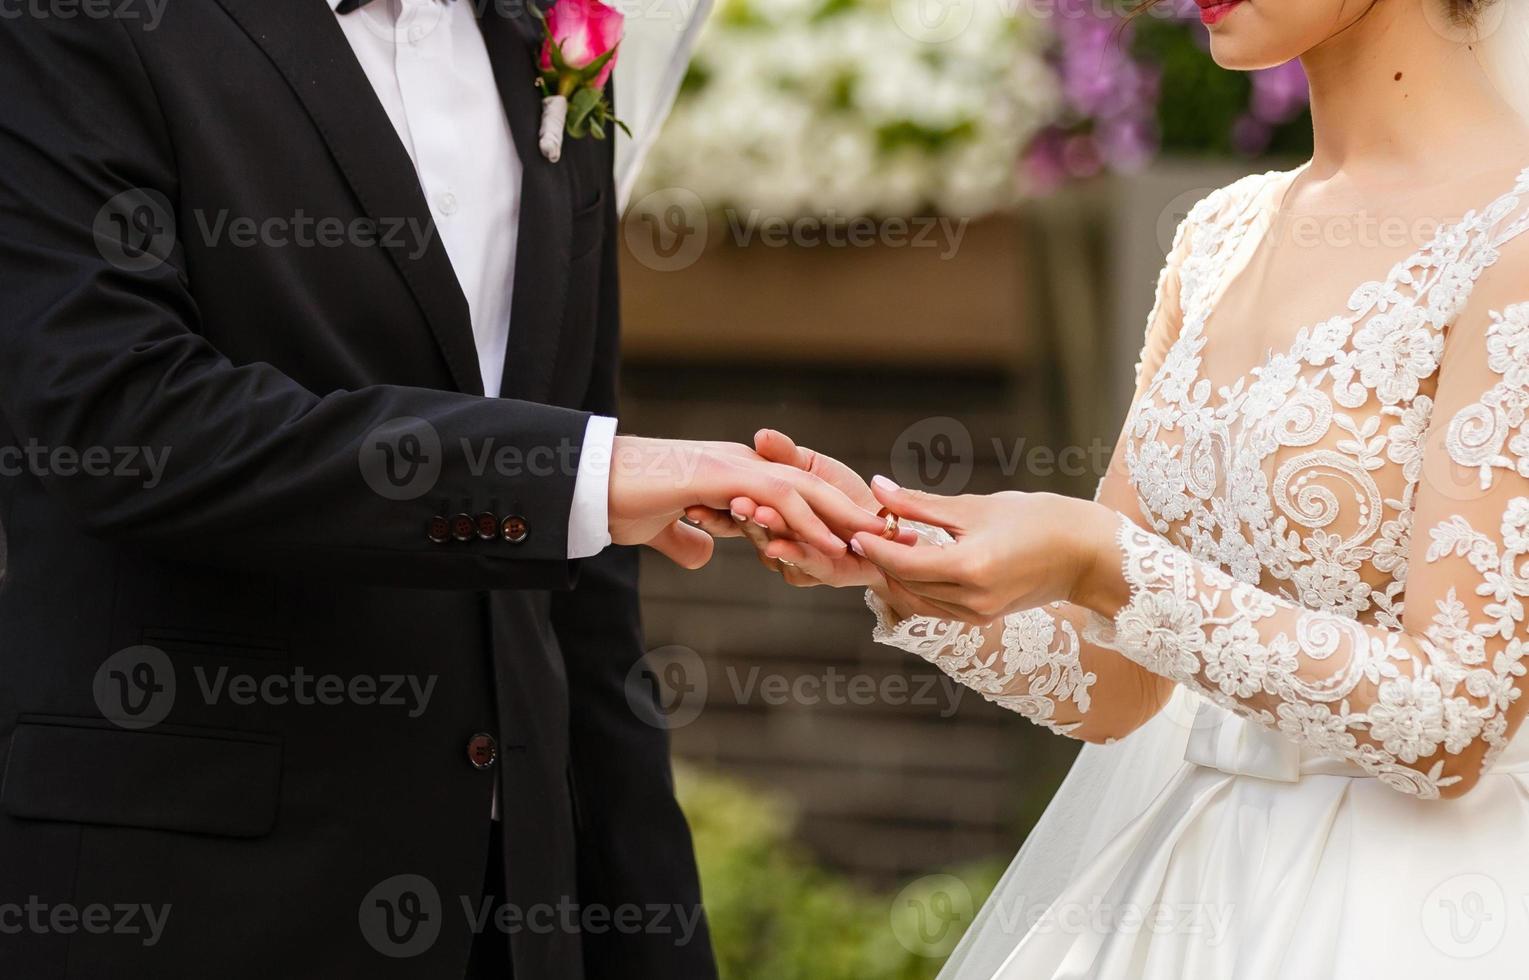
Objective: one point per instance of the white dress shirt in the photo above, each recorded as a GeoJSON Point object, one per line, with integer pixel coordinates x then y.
{"type": "Point", "coordinates": [428, 65]}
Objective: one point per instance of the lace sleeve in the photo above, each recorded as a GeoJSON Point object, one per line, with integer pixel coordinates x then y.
{"type": "Point", "coordinates": [1426, 707]}
{"type": "Point", "coordinates": [1029, 663]}
{"type": "Point", "coordinates": [1040, 662]}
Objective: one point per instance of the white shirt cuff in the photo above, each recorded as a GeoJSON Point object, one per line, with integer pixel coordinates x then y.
{"type": "Point", "coordinates": [589, 524]}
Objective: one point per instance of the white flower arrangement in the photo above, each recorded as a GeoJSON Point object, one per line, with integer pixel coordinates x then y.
{"type": "Point", "coordinates": [839, 107]}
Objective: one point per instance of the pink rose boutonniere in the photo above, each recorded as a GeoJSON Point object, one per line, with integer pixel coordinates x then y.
{"type": "Point", "coordinates": [577, 57]}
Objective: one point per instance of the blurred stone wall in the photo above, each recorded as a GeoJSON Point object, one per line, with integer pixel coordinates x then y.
{"type": "Point", "coordinates": [895, 769]}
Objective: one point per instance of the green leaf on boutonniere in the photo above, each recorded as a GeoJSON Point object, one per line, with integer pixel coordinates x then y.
{"type": "Point", "coordinates": [584, 107]}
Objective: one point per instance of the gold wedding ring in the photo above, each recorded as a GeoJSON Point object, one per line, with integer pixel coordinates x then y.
{"type": "Point", "coordinates": [890, 531]}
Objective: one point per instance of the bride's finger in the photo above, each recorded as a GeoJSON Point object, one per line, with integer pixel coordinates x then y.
{"type": "Point", "coordinates": [913, 604]}
{"type": "Point", "coordinates": [957, 598]}
{"type": "Point", "coordinates": [928, 508]}
{"type": "Point", "coordinates": [911, 563]}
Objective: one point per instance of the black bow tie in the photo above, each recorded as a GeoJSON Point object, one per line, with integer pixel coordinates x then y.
{"type": "Point", "coordinates": [347, 6]}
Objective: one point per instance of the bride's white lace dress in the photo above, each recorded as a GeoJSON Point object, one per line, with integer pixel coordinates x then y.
{"type": "Point", "coordinates": [1328, 529]}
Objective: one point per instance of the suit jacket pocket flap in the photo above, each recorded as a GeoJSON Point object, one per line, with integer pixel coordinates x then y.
{"type": "Point", "coordinates": [225, 783]}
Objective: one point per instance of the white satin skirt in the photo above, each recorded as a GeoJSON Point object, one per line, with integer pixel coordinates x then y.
{"type": "Point", "coordinates": [1259, 861]}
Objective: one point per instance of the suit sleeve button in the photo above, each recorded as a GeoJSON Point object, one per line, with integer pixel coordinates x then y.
{"type": "Point", "coordinates": [463, 527]}
{"type": "Point", "coordinates": [515, 529]}
{"type": "Point", "coordinates": [440, 530]}
{"type": "Point", "coordinates": [488, 526]}
{"type": "Point", "coordinates": [482, 751]}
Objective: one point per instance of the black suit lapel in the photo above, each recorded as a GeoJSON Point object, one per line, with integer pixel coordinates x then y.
{"type": "Point", "coordinates": [542, 252]}
{"type": "Point", "coordinates": [302, 39]}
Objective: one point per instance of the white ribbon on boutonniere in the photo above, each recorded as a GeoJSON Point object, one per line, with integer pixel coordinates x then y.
{"type": "Point", "coordinates": [577, 56]}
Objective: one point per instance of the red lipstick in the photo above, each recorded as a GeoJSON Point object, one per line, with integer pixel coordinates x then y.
{"type": "Point", "coordinates": [1212, 12]}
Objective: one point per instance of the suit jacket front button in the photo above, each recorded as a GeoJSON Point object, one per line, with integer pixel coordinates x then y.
{"type": "Point", "coordinates": [482, 751]}
{"type": "Point", "coordinates": [515, 529]}
{"type": "Point", "coordinates": [440, 530]}
{"type": "Point", "coordinates": [463, 527]}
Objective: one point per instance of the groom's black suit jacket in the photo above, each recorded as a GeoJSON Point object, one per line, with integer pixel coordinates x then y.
{"type": "Point", "coordinates": [293, 531]}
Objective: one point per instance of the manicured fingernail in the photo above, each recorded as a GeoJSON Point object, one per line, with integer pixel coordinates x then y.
{"type": "Point", "coordinates": [855, 547]}
{"type": "Point", "coordinates": [738, 517]}
{"type": "Point", "coordinates": [882, 483]}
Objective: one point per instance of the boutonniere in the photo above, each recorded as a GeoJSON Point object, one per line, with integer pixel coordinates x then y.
{"type": "Point", "coordinates": [577, 57]}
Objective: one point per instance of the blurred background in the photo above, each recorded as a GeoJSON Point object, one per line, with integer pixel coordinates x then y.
{"type": "Point", "coordinates": [921, 236]}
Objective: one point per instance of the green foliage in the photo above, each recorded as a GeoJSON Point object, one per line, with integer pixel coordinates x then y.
{"type": "Point", "coordinates": [1200, 102]}
{"type": "Point", "coordinates": [775, 915]}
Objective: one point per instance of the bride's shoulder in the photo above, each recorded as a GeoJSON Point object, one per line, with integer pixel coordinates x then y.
{"type": "Point", "coordinates": [1239, 199]}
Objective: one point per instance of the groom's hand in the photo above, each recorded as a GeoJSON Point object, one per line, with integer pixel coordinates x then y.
{"type": "Point", "coordinates": [780, 549]}
{"type": "Point", "coordinates": [653, 482]}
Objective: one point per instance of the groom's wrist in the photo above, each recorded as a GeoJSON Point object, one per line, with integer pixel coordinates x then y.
{"type": "Point", "coordinates": [589, 516]}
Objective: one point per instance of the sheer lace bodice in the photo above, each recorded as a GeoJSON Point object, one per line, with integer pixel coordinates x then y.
{"type": "Point", "coordinates": [1328, 539]}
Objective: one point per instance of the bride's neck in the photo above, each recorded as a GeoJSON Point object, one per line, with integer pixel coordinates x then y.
{"type": "Point", "coordinates": [1394, 97]}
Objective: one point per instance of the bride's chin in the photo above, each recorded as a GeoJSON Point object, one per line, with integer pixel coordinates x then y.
{"type": "Point", "coordinates": [1245, 50]}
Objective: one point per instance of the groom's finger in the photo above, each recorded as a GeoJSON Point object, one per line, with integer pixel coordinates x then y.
{"type": "Point", "coordinates": [815, 504]}
{"type": "Point", "coordinates": [714, 522]}
{"type": "Point", "coordinates": [686, 546]}
{"type": "Point", "coordinates": [778, 447]}
{"type": "Point", "coordinates": [789, 496]}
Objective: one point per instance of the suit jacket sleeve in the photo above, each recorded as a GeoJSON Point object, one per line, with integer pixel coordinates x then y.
{"type": "Point", "coordinates": [634, 844]}
{"type": "Point", "coordinates": [259, 471]}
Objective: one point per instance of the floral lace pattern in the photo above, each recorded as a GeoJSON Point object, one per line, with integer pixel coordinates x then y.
{"type": "Point", "coordinates": [1284, 505]}
{"type": "Point", "coordinates": [1033, 666]}
{"type": "Point", "coordinates": [1284, 508]}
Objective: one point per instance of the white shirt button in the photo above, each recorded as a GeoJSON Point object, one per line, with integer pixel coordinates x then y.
{"type": "Point", "coordinates": [417, 33]}
{"type": "Point", "coordinates": [447, 202]}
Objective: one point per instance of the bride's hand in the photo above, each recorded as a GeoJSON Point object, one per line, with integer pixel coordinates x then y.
{"type": "Point", "coordinates": [1012, 551]}
{"type": "Point", "coordinates": [781, 550]}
